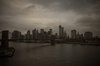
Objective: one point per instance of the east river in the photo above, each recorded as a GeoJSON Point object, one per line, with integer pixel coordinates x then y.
{"type": "Point", "coordinates": [35, 54]}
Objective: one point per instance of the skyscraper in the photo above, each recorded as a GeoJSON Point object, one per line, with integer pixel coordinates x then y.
{"type": "Point", "coordinates": [88, 35]}
{"type": "Point", "coordinates": [41, 33]}
{"type": "Point", "coordinates": [65, 35]}
{"type": "Point", "coordinates": [49, 33]}
{"type": "Point", "coordinates": [79, 36]}
{"type": "Point", "coordinates": [34, 34]}
{"type": "Point", "coordinates": [73, 34]}
{"type": "Point", "coordinates": [28, 34]}
{"type": "Point", "coordinates": [56, 36]}
{"type": "Point", "coordinates": [16, 35]}
{"type": "Point", "coordinates": [37, 34]}
{"type": "Point", "coordinates": [61, 32]}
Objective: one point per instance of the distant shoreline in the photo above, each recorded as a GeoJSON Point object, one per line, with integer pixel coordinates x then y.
{"type": "Point", "coordinates": [77, 43]}
{"type": "Point", "coordinates": [74, 43]}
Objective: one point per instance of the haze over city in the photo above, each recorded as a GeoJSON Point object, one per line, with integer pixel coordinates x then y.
{"type": "Point", "coordinates": [23, 15]}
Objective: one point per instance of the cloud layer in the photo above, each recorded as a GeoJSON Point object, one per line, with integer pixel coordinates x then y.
{"type": "Point", "coordinates": [82, 15]}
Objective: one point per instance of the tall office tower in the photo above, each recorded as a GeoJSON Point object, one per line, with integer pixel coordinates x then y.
{"type": "Point", "coordinates": [65, 35]}
{"type": "Point", "coordinates": [68, 37]}
{"type": "Point", "coordinates": [88, 35]}
{"type": "Point", "coordinates": [25, 36]}
{"type": "Point", "coordinates": [41, 33]}
{"type": "Point", "coordinates": [16, 35]}
{"type": "Point", "coordinates": [79, 36]}
{"type": "Point", "coordinates": [22, 36]}
{"type": "Point", "coordinates": [34, 34]}
{"type": "Point", "coordinates": [73, 34]}
{"type": "Point", "coordinates": [56, 36]}
{"type": "Point", "coordinates": [45, 35]}
{"type": "Point", "coordinates": [37, 34]}
{"type": "Point", "coordinates": [50, 31]}
{"type": "Point", "coordinates": [28, 35]}
{"type": "Point", "coordinates": [61, 32]}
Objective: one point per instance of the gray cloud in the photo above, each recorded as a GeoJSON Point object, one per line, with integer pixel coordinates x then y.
{"type": "Point", "coordinates": [74, 5]}
{"type": "Point", "coordinates": [90, 22]}
{"type": "Point", "coordinates": [50, 13]}
{"type": "Point", "coordinates": [83, 6]}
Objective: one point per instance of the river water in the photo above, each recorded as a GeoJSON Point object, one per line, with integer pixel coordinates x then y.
{"type": "Point", "coordinates": [30, 54]}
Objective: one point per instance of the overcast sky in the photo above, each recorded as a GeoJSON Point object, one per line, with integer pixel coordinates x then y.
{"type": "Point", "coordinates": [23, 15]}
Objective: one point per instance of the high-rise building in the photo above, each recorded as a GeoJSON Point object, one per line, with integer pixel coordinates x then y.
{"type": "Point", "coordinates": [28, 35]}
{"type": "Point", "coordinates": [61, 32]}
{"type": "Point", "coordinates": [16, 35]}
{"type": "Point", "coordinates": [34, 34]}
{"type": "Point", "coordinates": [41, 33]}
{"type": "Point", "coordinates": [56, 36]}
{"type": "Point", "coordinates": [79, 36]}
{"type": "Point", "coordinates": [88, 35]}
{"type": "Point", "coordinates": [22, 36]}
{"type": "Point", "coordinates": [73, 34]}
{"type": "Point", "coordinates": [65, 35]}
{"type": "Point", "coordinates": [49, 33]}
{"type": "Point", "coordinates": [45, 35]}
{"type": "Point", "coordinates": [37, 34]}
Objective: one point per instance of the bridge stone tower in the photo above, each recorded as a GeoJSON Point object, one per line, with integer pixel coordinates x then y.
{"type": "Point", "coordinates": [4, 42]}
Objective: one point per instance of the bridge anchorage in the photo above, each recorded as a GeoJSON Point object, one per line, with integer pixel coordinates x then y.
{"type": "Point", "coordinates": [5, 50]}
